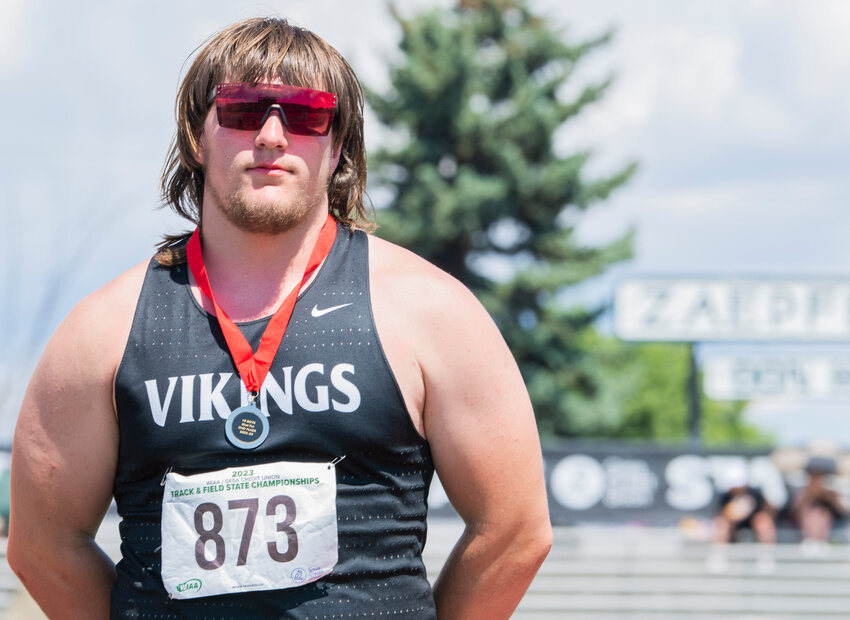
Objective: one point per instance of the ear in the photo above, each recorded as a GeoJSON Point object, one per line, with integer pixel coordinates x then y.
{"type": "Point", "coordinates": [199, 142]}
{"type": "Point", "coordinates": [198, 149]}
{"type": "Point", "coordinates": [335, 158]}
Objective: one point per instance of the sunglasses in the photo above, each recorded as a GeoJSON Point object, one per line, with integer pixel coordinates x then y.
{"type": "Point", "coordinates": [246, 106]}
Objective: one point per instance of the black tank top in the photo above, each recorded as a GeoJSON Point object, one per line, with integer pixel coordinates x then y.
{"type": "Point", "coordinates": [329, 393]}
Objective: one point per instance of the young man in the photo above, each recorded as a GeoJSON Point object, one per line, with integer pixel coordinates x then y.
{"type": "Point", "coordinates": [271, 460]}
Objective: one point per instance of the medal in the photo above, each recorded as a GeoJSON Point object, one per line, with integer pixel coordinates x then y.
{"type": "Point", "coordinates": [247, 427]}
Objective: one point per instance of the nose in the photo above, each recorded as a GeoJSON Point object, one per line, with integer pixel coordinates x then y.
{"type": "Point", "coordinates": [272, 133]}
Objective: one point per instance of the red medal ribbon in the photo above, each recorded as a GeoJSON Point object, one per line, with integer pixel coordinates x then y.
{"type": "Point", "coordinates": [253, 367]}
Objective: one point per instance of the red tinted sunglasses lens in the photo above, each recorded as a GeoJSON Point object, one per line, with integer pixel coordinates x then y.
{"type": "Point", "coordinates": [305, 111]}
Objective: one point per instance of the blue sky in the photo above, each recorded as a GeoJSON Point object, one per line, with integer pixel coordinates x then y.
{"type": "Point", "coordinates": [735, 109]}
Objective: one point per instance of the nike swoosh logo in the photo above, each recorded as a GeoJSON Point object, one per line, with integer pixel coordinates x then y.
{"type": "Point", "coordinates": [317, 313]}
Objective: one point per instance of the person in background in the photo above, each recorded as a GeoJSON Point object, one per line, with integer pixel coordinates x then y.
{"type": "Point", "coordinates": [816, 507]}
{"type": "Point", "coordinates": [742, 508]}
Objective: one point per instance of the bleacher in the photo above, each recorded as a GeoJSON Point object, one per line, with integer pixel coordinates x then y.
{"type": "Point", "coordinates": [628, 573]}
{"type": "Point", "coordinates": [639, 573]}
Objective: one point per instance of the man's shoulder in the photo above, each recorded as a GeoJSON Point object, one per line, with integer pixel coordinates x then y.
{"type": "Point", "coordinates": [421, 299]}
{"type": "Point", "coordinates": [88, 345]}
{"type": "Point", "coordinates": [120, 294]}
{"type": "Point", "coordinates": [105, 315]}
{"type": "Point", "coordinates": [395, 268]}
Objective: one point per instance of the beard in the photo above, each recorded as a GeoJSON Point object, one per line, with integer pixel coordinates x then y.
{"type": "Point", "coordinates": [265, 217]}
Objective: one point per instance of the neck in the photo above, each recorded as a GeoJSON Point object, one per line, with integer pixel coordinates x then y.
{"type": "Point", "coordinates": [250, 274]}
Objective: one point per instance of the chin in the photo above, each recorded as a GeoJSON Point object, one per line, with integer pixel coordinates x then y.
{"type": "Point", "coordinates": [267, 221]}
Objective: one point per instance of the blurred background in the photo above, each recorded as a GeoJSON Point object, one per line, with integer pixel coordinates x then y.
{"type": "Point", "coordinates": [649, 196]}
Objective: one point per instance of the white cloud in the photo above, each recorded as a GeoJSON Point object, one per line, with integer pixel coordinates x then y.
{"type": "Point", "coordinates": [825, 27]}
{"type": "Point", "coordinates": [825, 51]}
{"type": "Point", "coordinates": [760, 118]}
{"type": "Point", "coordinates": [14, 39]}
{"type": "Point", "coordinates": [666, 74]}
{"type": "Point", "coordinates": [698, 71]}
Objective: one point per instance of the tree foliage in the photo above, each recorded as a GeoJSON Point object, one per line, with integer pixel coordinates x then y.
{"type": "Point", "coordinates": [480, 187]}
{"type": "Point", "coordinates": [658, 404]}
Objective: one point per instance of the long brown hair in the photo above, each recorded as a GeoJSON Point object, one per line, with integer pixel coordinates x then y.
{"type": "Point", "coordinates": [250, 51]}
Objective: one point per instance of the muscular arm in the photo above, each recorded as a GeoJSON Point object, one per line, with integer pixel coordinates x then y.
{"type": "Point", "coordinates": [478, 420]}
{"type": "Point", "coordinates": [484, 440]}
{"type": "Point", "coordinates": [63, 459]}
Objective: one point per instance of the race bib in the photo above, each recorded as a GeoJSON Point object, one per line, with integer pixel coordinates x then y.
{"type": "Point", "coordinates": [244, 529]}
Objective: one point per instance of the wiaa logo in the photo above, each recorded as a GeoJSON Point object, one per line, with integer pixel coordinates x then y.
{"type": "Point", "coordinates": [193, 585]}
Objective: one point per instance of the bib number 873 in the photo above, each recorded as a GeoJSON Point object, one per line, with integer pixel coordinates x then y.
{"type": "Point", "coordinates": [213, 534]}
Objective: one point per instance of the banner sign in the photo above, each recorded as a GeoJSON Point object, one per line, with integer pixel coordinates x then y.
{"type": "Point", "coordinates": [677, 309]}
{"type": "Point", "coordinates": [649, 484]}
{"type": "Point", "coordinates": [753, 376]}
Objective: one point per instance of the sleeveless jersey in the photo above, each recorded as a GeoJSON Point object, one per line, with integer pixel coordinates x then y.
{"type": "Point", "coordinates": [330, 393]}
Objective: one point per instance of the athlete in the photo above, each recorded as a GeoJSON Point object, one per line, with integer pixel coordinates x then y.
{"type": "Point", "coordinates": [268, 398]}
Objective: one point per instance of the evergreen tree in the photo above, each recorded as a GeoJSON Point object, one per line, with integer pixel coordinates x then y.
{"type": "Point", "coordinates": [657, 406]}
{"type": "Point", "coordinates": [478, 188]}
